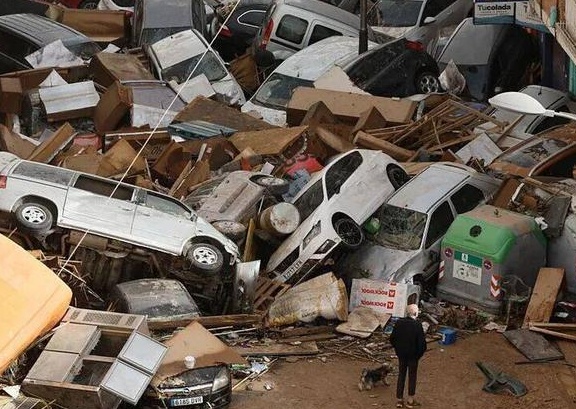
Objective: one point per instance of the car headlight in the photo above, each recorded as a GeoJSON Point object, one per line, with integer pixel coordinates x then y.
{"type": "Point", "coordinates": [221, 380]}
{"type": "Point", "coordinates": [311, 234]}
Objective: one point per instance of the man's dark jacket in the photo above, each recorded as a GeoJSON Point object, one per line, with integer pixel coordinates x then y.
{"type": "Point", "coordinates": [408, 339]}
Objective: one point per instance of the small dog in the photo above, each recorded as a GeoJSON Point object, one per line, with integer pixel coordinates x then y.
{"type": "Point", "coordinates": [370, 377]}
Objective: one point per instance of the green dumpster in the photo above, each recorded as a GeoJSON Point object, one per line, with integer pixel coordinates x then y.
{"type": "Point", "coordinates": [484, 247]}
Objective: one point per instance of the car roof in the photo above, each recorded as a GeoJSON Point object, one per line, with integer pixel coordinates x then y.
{"type": "Point", "coordinates": [472, 44]}
{"type": "Point", "coordinates": [188, 43]}
{"type": "Point", "coordinates": [431, 185]}
{"type": "Point", "coordinates": [40, 30]}
{"type": "Point", "coordinates": [316, 59]}
{"type": "Point", "coordinates": [325, 9]}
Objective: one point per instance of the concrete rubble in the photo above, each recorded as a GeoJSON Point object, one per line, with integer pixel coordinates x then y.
{"type": "Point", "coordinates": [261, 189]}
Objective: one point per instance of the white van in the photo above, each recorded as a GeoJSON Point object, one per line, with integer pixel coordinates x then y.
{"type": "Point", "coordinates": [291, 25]}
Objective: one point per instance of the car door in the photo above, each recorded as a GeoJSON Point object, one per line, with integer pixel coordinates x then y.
{"type": "Point", "coordinates": [320, 31]}
{"type": "Point", "coordinates": [440, 220]}
{"type": "Point", "coordinates": [101, 206]}
{"type": "Point", "coordinates": [466, 198]}
{"type": "Point", "coordinates": [162, 223]}
{"type": "Point", "coordinates": [289, 36]}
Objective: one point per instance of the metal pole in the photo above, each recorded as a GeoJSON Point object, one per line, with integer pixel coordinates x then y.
{"type": "Point", "coordinates": [363, 45]}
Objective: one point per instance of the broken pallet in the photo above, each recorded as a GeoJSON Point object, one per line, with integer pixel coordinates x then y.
{"type": "Point", "coordinates": [267, 290]}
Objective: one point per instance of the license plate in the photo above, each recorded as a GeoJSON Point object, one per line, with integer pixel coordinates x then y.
{"type": "Point", "coordinates": [187, 401]}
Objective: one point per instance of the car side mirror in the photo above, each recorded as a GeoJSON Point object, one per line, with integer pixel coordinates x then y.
{"type": "Point", "coordinates": [429, 20]}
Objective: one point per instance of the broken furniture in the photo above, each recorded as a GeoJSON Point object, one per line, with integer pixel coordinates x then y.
{"type": "Point", "coordinates": [94, 360]}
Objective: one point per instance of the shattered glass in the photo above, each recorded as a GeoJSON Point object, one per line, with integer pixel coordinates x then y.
{"type": "Point", "coordinates": [401, 228]}
{"type": "Point", "coordinates": [277, 90]}
{"type": "Point", "coordinates": [209, 66]}
{"type": "Point", "coordinates": [535, 152]}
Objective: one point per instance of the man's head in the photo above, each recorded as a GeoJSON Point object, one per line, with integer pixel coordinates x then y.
{"type": "Point", "coordinates": [412, 310]}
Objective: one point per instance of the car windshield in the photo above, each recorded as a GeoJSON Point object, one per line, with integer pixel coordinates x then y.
{"type": "Point", "coordinates": [277, 90]}
{"type": "Point", "coordinates": [209, 66]}
{"type": "Point", "coordinates": [534, 152]}
{"type": "Point", "coordinates": [310, 200]}
{"type": "Point", "coordinates": [399, 13]}
{"type": "Point", "coordinates": [82, 48]}
{"type": "Point", "coordinates": [401, 228]}
{"type": "Point", "coordinates": [153, 35]}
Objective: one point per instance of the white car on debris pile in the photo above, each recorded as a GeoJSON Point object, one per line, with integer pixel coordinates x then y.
{"type": "Point", "coordinates": [333, 206]}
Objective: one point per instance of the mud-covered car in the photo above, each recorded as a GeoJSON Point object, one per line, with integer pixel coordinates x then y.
{"type": "Point", "coordinates": [333, 206]}
{"type": "Point", "coordinates": [414, 220]}
{"type": "Point", "coordinates": [123, 219]}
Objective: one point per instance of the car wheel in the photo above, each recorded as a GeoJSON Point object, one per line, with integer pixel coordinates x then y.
{"type": "Point", "coordinates": [89, 4]}
{"type": "Point", "coordinates": [34, 217]}
{"type": "Point", "coordinates": [205, 257]}
{"type": "Point", "coordinates": [275, 186]}
{"type": "Point", "coordinates": [397, 176]}
{"type": "Point", "coordinates": [427, 82]}
{"type": "Point", "coordinates": [349, 231]}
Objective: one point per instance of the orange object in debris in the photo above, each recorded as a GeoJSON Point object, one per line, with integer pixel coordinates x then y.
{"type": "Point", "coordinates": [32, 300]}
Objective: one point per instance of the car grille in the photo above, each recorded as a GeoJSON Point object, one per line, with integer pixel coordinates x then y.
{"type": "Point", "coordinates": [288, 261]}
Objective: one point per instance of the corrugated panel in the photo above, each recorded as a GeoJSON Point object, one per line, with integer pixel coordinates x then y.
{"type": "Point", "coordinates": [199, 130]}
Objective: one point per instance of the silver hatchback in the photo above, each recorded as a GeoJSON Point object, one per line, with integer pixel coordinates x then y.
{"type": "Point", "coordinates": [42, 197]}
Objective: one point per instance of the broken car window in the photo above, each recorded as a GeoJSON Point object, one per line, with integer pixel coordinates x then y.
{"type": "Point", "coordinates": [310, 200]}
{"type": "Point", "coordinates": [399, 13]}
{"type": "Point", "coordinates": [440, 220]}
{"type": "Point", "coordinates": [277, 90]}
{"type": "Point", "coordinates": [320, 32]}
{"type": "Point", "coordinates": [166, 205]}
{"type": "Point", "coordinates": [339, 173]}
{"type": "Point", "coordinates": [534, 152]}
{"type": "Point", "coordinates": [41, 172]}
{"type": "Point", "coordinates": [401, 228]}
{"type": "Point", "coordinates": [466, 198]}
{"type": "Point", "coordinates": [209, 66]}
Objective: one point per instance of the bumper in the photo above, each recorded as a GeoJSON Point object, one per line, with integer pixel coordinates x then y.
{"type": "Point", "coordinates": [211, 400]}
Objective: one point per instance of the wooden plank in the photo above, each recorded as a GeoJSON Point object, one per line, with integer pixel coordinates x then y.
{"type": "Point", "coordinates": [556, 334]}
{"type": "Point", "coordinates": [453, 142]}
{"type": "Point", "coordinates": [307, 338]}
{"type": "Point", "coordinates": [234, 320]}
{"type": "Point", "coordinates": [249, 249]}
{"type": "Point", "coordinates": [554, 325]}
{"type": "Point", "coordinates": [534, 346]}
{"type": "Point", "coordinates": [396, 152]}
{"type": "Point", "coordinates": [334, 141]}
{"type": "Point", "coordinates": [271, 142]}
{"type": "Point", "coordinates": [544, 295]}
{"type": "Point", "coordinates": [305, 348]}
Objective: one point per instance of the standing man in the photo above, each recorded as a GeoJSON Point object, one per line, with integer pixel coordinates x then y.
{"type": "Point", "coordinates": [409, 342]}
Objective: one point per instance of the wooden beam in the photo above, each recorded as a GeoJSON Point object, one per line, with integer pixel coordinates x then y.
{"type": "Point", "coordinates": [544, 295]}
{"type": "Point", "coordinates": [396, 152]}
{"type": "Point", "coordinates": [552, 333]}
{"type": "Point", "coordinates": [235, 320]}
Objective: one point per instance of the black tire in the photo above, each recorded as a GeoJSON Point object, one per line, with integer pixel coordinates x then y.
{"type": "Point", "coordinates": [348, 230]}
{"type": "Point", "coordinates": [275, 186]}
{"type": "Point", "coordinates": [89, 4]}
{"type": "Point", "coordinates": [34, 217]}
{"type": "Point", "coordinates": [205, 257]}
{"type": "Point", "coordinates": [427, 82]}
{"type": "Point", "coordinates": [397, 176]}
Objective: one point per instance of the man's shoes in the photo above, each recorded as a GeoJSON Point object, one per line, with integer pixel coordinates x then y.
{"type": "Point", "coordinates": [399, 403]}
{"type": "Point", "coordinates": [412, 404]}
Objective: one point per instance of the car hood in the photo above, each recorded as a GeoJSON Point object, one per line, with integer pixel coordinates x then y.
{"type": "Point", "coordinates": [272, 116]}
{"type": "Point", "coordinates": [293, 241]}
{"type": "Point", "coordinates": [380, 263]}
{"type": "Point", "coordinates": [395, 32]}
{"type": "Point", "coordinates": [230, 90]}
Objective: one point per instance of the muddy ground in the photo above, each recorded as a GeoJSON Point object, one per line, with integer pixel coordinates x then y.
{"type": "Point", "coordinates": [448, 378]}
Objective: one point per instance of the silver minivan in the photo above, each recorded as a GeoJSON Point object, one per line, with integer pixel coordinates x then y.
{"type": "Point", "coordinates": [291, 25]}
{"type": "Point", "coordinates": [42, 197]}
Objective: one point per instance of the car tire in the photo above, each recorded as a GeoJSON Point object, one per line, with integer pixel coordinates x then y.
{"type": "Point", "coordinates": [397, 176]}
{"type": "Point", "coordinates": [348, 230]}
{"type": "Point", "coordinates": [34, 217]}
{"type": "Point", "coordinates": [205, 257]}
{"type": "Point", "coordinates": [89, 4]}
{"type": "Point", "coordinates": [427, 82]}
{"type": "Point", "coordinates": [275, 186]}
